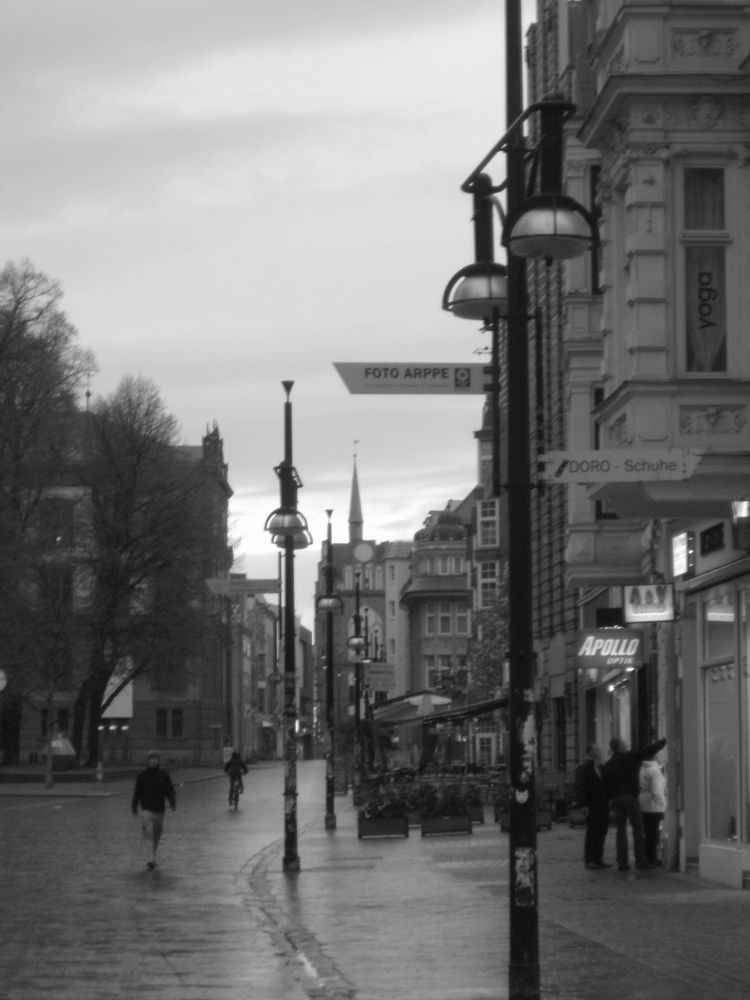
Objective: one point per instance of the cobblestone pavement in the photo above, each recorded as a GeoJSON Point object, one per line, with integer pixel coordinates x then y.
{"type": "Point", "coordinates": [427, 919]}
{"type": "Point", "coordinates": [408, 918]}
{"type": "Point", "coordinates": [82, 917]}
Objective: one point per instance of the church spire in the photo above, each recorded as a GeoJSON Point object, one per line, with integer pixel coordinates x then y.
{"type": "Point", "coordinates": [356, 522]}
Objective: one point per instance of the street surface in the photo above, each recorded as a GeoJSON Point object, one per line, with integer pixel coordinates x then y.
{"type": "Point", "coordinates": [81, 915]}
{"type": "Point", "coordinates": [398, 919]}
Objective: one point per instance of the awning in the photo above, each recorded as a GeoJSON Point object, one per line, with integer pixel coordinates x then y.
{"type": "Point", "coordinates": [462, 712]}
{"type": "Point", "coordinates": [409, 709]}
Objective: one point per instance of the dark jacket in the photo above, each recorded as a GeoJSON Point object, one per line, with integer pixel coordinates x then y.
{"type": "Point", "coordinates": [153, 789]}
{"type": "Point", "coordinates": [622, 770]}
{"type": "Point", "coordinates": [235, 766]}
{"type": "Point", "coordinates": [590, 790]}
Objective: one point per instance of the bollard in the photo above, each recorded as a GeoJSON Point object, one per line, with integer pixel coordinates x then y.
{"type": "Point", "coordinates": [99, 772]}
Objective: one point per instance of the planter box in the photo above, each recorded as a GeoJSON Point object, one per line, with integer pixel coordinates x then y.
{"type": "Point", "coordinates": [382, 826]}
{"type": "Point", "coordinates": [476, 813]}
{"type": "Point", "coordinates": [445, 824]}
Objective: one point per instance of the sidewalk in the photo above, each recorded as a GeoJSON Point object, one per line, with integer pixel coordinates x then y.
{"type": "Point", "coordinates": [29, 782]}
{"type": "Point", "coordinates": [427, 919]}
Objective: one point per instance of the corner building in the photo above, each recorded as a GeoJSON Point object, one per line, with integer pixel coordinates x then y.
{"type": "Point", "coordinates": [656, 356]}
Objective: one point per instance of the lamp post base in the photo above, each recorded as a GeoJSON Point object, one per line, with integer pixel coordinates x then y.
{"type": "Point", "coordinates": [330, 821]}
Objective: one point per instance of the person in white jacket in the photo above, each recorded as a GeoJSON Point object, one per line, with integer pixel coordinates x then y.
{"type": "Point", "coordinates": [653, 802]}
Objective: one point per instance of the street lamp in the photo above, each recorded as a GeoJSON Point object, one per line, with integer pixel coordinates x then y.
{"type": "Point", "coordinates": [549, 226]}
{"type": "Point", "coordinates": [329, 604]}
{"type": "Point", "coordinates": [356, 644]}
{"type": "Point", "coordinates": [289, 531]}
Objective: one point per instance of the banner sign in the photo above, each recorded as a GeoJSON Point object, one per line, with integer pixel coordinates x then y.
{"type": "Point", "coordinates": [649, 602]}
{"type": "Point", "coordinates": [608, 648]}
{"type": "Point", "coordinates": [705, 309]}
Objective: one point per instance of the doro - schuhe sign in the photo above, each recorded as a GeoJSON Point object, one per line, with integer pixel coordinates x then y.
{"type": "Point", "coordinates": [609, 649]}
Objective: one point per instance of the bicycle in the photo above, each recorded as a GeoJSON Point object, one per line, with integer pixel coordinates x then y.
{"type": "Point", "coordinates": [234, 792]}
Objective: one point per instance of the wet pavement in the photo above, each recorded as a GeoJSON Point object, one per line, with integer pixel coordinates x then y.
{"type": "Point", "coordinates": [409, 918]}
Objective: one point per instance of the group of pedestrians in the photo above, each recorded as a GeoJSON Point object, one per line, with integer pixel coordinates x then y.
{"type": "Point", "coordinates": [630, 788]}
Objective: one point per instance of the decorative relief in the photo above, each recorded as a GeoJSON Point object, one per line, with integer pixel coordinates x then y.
{"type": "Point", "coordinates": [619, 436]}
{"type": "Point", "coordinates": [647, 114]}
{"type": "Point", "coordinates": [706, 112]}
{"type": "Point", "coordinates": [712, 419]}
{"type": "Point", "coordinates": [690, 43]}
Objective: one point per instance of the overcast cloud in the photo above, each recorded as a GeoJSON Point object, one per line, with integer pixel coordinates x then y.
{"type": "Point", "coordinates": [236, 192]}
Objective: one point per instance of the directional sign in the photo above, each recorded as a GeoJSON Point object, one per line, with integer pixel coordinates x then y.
{"type": "Point", "coordinates": [621, 465]}
{"type": "Point", "coordinates": [381, 676]}
{"type": "Point", "coordinates": [411, 377]}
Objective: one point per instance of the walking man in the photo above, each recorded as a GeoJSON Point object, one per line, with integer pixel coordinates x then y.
{"type": "Point", "coordinates": [621, 780]}
{"type": "Point", "coordinates": [591, 794]}
{"type": "Point", "coordinates": [153, 789]}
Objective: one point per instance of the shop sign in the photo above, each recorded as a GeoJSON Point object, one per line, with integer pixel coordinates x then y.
{"type": "Point", "coordinates": [380, 676]}
{"type": "Point", "coordinates": [607, 648]}
{"type": "Point", "coordinates": [649, 602]}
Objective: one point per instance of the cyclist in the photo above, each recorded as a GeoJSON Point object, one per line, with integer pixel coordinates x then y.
{"type": "Point", "coordinates": [235, 768]}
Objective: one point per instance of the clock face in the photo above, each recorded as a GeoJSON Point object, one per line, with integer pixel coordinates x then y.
{"type": "Point", "coordinates": [363, 552]}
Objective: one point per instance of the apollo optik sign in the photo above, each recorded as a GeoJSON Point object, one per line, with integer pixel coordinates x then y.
{"type": "Point", "coordinates": [609, 649]}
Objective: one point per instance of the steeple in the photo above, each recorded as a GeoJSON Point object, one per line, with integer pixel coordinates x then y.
{"type": "Point", "coordinates": [356, 522]}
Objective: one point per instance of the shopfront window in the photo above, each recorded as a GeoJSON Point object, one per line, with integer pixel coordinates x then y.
{"type": "Point", "coordinates": [745, 697]}
{"type": "Point", "coordinates": [721, 716]}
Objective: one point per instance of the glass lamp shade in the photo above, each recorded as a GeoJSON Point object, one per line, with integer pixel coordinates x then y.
{"type": "Point", "coordinates": [329, 604]}
{"type": "Point", "coordinates": [551, 227]}
{"type": "Point", "coordinates": [285, 521]}
{"type": "Point", "coordinates": [300, 539]}
{"type": "Point", "coordinates": [356, 643]}
{"type": "Point", "coordinates": [478, 290]}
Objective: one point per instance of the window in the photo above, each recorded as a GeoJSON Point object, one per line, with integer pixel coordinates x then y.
{"type": "Point", "coordinates": [428, 566]}
{"type": "Point", "coordinates": [705, 241]}
{"type": "Point", "coordinates": [720, 689]}
{"type": "Point", "coordinates": [391, 609]}
{"type": "Point", "coordinates": [487, 534]}
{"type": "Point", "coordinates": [391, 574]}
{"type": "Point", "coordinates": [487, 584]}
{"type": "Point", "coordinates": [169, 723]}
{"type": "Point", "coordinates": [444, 621]}
{"type": "Point", "coordinates": [462, 619]}
{"type": "Point", "coordinates": [430, 619]}
{"type": "Point", "coordinates": [443, 566]}
{"type": "Point", "coordinates": [458, 565]}
{"type": "Point", "coordinates": [56, 523]}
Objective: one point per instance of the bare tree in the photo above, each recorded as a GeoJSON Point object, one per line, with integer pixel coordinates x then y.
{"type": "Point", "coordinates": [42, 371]}
{"type": "Point", "coordinates": [147, 528]}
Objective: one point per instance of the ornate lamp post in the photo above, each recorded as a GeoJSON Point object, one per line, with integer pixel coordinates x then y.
{"type": "Point", "coordinates": [329, 604]}
{"type": "Point", "coordinates": [289, 531]}
{"type": "Point", "coordinates": [549, 226]}
{"type": "Point", "coordinates": [356, 644]}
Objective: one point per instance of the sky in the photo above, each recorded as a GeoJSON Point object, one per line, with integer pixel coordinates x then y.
{"type": "Point", "coordinates": [233, 193]}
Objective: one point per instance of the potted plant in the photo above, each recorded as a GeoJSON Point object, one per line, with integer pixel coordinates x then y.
{"type": "Point", "coordinates": [474, 801]}
{"type": "Point", "coordinates": [448, 812]}
{"type": "Point", "coordinates": [382, 812]}
{"type": "Point", "coordinates": [419, 797]}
